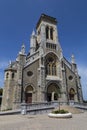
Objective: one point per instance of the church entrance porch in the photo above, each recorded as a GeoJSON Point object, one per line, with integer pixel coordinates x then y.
{"type": "Point", "coordinates": [49, 97]}
{"type": "Point", "coordinates": [28, 94]}
{"type": "Point", "coordinates": [71, 94]}
{"type": "Point", "coordinates": [53, 92]}
{"type": "Point", "coordinates": [28, 97]}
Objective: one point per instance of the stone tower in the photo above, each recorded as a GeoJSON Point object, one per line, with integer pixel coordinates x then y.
{"type": "Point", "coordinates": [8, 92]}
{"type": "Point", "coordinates": [13, 82]}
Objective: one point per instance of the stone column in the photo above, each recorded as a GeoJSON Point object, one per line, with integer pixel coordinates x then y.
{"type": "Point", "coordinates": [52, 96]}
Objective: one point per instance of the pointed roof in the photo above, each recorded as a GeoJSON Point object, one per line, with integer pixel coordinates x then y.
{"type": "Point", "coordinates": [45, 17]}
{"type": "Point", "coordinates": [33, 32]}
{"type": "Point", "coordinates": [22, 49]}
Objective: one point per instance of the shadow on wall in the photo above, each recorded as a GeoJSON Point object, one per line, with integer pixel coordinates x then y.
{"type": "Point", "coordinates": [1, 92]}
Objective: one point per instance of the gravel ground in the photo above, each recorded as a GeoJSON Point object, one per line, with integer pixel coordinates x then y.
{"type": "Point", "coordinates": [71, 109]}
{"type": "Point", "coordinates": [43, 122]}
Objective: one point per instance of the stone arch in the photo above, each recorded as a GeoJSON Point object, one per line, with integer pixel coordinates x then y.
{"type": "Point", "coordinates": [53, 91]}
{"type": "Point", "coordinates": [29, 94]}
{"type": "Point", "coordinates": [51, 61]}
{"type": "Point", "coordinates": [71, 94]}
{"type": "Point", "coordinates": [7, 75]}
{"type": "Point", "coordinates": [52, 52]}
{"type": "Point", "coordinates": [29, 84]}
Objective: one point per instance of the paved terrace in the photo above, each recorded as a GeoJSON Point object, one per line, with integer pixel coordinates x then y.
{"type": "Point", "coordinates": [43, 122]}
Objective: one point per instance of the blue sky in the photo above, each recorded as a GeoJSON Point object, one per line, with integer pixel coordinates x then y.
{"type": "Point", "coordinates": [19, 17]}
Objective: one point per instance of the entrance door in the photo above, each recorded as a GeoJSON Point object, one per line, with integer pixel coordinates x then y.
{"type": "Point", "coordinates": [49, 97]}
{"type": "Point", "coordinates": [71, 94]}
{"type": "Point", "coordinates": [28, 97]}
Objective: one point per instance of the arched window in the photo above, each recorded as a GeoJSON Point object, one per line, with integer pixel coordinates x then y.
{"type": "Point", "coordinates": [7, 75]}
{"type": "Point", "coordinates": [51, 33]}
{"type": "Point", "coordinates": [13, 75]}
{"type": "Point", "coordinates": [47, 32]}
{"type": "Point", "coordinates": [50, 66]}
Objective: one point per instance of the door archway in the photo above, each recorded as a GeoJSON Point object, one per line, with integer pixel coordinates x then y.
{"type": "Point", "coordinates": [71, 94]}
{"type": "Point", "coordinates": [28, 94]}
{"type": "Point", "coordinates": [53, 92]}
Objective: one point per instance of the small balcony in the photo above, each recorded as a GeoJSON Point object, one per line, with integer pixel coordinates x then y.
{"type": "Point", "coordinates": [52, 77]}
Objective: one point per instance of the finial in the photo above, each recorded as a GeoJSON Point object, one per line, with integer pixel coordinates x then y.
{"type": "Point", "coordinates": [9, 62]}
{"type": "Point", "coordinates": [33, 32]}
{"type": "Point", "coordinates": [72, 59]}
{"type": "Point", "coordinates": [22, 49]}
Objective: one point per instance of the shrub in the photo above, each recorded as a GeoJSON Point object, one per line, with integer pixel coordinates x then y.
{"type": "Point", "coordinates": [60, 111]}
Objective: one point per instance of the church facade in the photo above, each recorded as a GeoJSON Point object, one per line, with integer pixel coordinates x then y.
{"type": "Point", "coordinates": [43, 74]}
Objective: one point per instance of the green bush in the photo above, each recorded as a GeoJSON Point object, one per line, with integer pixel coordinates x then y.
{"type": "Point", "coordinates": [62, 111]}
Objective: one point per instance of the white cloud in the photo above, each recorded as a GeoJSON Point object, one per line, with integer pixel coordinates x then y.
{"type": "Point", "coordinates": [83, 73]}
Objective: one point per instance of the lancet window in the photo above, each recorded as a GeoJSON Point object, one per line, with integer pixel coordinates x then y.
{"type": "Point", "coordinates": [13, 75]}
{"type": "Point", "coordinates": [51, 66]}
{"type": "Point", "coordinates": [49, 33]}
{"type": "Point", "coordinates": [7, 75]}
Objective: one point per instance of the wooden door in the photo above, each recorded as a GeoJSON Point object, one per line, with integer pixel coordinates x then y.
{"type": "Point", "coordinates": [28, 97]}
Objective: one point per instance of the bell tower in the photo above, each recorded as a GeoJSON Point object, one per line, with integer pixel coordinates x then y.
{"type": "Point", "coordinates": [50, 53]}
{"type": "Point", "coordinates": [47, 35]}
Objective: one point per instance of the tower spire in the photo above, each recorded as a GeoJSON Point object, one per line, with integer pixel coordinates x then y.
{"type": "Point", "coordinates": [72, 59]}
{"type": "Point", "coordinates": [33, 32]}
{"type": "Point", "coordinates": [32, 42]}
{"type": "Point", "coordinates": [22, 49]}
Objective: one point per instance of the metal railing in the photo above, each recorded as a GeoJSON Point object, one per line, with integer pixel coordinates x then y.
{"type": "Point", "coordinates": [40, 106]}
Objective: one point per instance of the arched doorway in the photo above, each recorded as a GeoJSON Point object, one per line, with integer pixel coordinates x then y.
{"type": "Point", "coordinates": [53, 92]}
{"type": "Point", "coordinates": [71, 94]}
{"type": "Point", "coordinates": [28, 94]}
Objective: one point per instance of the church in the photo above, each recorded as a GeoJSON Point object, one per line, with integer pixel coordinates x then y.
{"type": "Point", "coordinates": [44, 74]}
